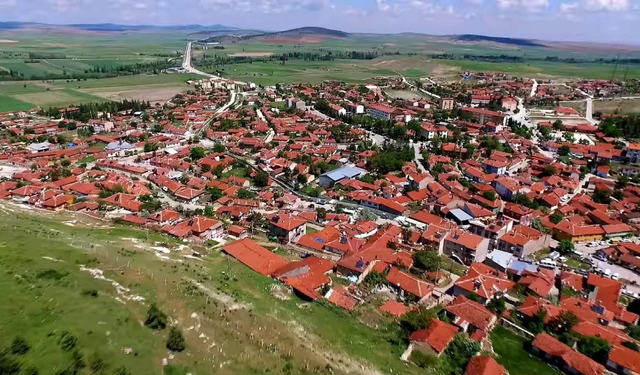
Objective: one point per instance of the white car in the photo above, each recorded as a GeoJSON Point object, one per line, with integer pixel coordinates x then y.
{"type": "Point", "coordinates": [592, 244]}
{"type": "Point", "coordinates": [626, 240]}
{"type": "Point", "coordinates": [615, 276]}
{"type": "Point", "coordinates": [604, 243]}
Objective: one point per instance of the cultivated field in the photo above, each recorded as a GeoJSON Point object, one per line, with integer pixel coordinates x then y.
{"type": "Point", "coordinates": [619, 106]}
{"type": "Point", "coordinates": [94, 281]}
{"type": "Point", "coordinates": [29, 94]}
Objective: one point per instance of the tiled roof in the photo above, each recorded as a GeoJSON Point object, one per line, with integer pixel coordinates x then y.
{"type": "Point", "coordinates": [578, 361]}
{"type": "Point", "coordinates": [625, 357]}
{"type": "Point", "coordinates": [255, 256]}
{"type": "Point", "coordinates": [409, 283]}
{"type": "Point", "coordinates": [395, 308]}
{"type": "Point", "coordinates": [438, 335]}
{"type": "Point", "coordinates": [470, 311]}
{"type": "Point", "coordinates": [484, 280]}
{"type": "Point", "coordinates": [484, 365]}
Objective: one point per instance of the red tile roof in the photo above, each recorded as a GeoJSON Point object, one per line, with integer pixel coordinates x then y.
{"type": "Point", "coordinates": [438, 335]}
{"type": "Point", "coordinates": [626, 358]}
{"type": "Point", "coordinates": [470, 311]}
{"type": "Point", "coordinates": [255, 256]}
{"type": "Point", "coordinates": [484, 365]}
{"type": "Point", "coordinates": [409, 283]}
{"type": "Point", "coordinates": [340, 298]}
{"type": "Point", "coordinates": [395, 308]}
{"type": "Point", "coordinates": [484, 280]}
{"type": "Point", "coordinates": [573, 359]}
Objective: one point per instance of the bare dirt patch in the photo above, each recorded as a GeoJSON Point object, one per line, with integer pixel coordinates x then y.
{"type": "Point", "coordinates": [49, 44]}
{"type": "Point", "coordinates": [251, 54]}
{"type": "Point", "coordinates": [8, 41]}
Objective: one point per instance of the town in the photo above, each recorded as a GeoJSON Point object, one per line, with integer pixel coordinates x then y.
{"type": "Point", "coordinates": [473, 210]}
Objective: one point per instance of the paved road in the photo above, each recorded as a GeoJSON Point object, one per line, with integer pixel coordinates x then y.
{"type": "Point", "coordinates": [186, 64]}
{"type": "Point", "coordinates": [534, 88]}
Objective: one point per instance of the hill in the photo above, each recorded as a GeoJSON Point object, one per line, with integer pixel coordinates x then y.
{"type": "Point", "coordinates": [299, 34]}
{"type": "Point", "coordinates": [109, 27]}
{"type": "Point", "coordinates": [509, 41]}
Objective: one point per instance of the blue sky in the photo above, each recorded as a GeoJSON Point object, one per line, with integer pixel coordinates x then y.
{"type": "Point", "coordinates": [611, 21]}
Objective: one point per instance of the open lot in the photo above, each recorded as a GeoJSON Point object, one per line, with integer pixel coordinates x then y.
{"type": "Point", "coordinates": [510, 353]}
{"type": "Point", "coordinates": [232, 320]}
{"type": "Point", "coordinates": [618, 106]}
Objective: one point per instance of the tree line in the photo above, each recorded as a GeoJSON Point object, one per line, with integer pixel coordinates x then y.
{"type": "Point", "coordinates": [90, 111]}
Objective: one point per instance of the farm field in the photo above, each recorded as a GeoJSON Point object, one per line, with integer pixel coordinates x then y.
{"type": "Point", "coordinates": [294, 71]}
{"type": "Point", "coordinates": [37, 54]}
{"type": "Point", "coordinates": [619, 106]}
{"type": "Point", "coordinates": [233, 319]}
{"type": "Point", "coordinates": [29, 94]}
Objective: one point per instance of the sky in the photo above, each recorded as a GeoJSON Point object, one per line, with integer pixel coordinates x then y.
{"type": "Point", "coordinates": [609, 21]}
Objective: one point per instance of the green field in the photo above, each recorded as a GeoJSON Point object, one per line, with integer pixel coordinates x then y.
{"type": "Point", "coordinates": [17, 95]}
{"type": "Point", "coordinates": [510, 353]}
{"type": "Point", "coordinates": [232, 320]}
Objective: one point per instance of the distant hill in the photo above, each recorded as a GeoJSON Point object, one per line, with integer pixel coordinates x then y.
{"type": "Point", "coordinates": [501, 40]}
{"type": "Point", "coordinates": [298, 33]}
{"type": "Point", "coordinates": [110, 27]}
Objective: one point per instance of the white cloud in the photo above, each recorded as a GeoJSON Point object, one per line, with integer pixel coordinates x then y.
{"type": "Point", "coordinates": [610, 5]}
{"type": "Point", "coordinates": [265, 6]}
{"type": "Point", "coordinates": [568, 7]}
{"type": "Point", "coordinates": [527, 5]}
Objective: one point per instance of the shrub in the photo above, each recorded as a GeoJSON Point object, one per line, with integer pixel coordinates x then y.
{"type": "Point", "coordinates": [20, 346]}
{"type": "Point", "coordinates": [156, 319]}
{"type": "Point", "coordinates": [594, 348]}
{"type": "Point", "coordinates": [67, 341]}
{"type": "Point", "coordinates": [175, 342]}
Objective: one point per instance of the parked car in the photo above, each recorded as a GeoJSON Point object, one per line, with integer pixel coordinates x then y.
{"type": "Point", "coordinates": [592, 244]}
{"type": "Point", "coordinates": [615, 276]}
{"type": "Point", "coordinates": [547, 263]}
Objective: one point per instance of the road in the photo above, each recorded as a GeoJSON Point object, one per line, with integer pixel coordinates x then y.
{"type": "Point", "coordinates": [404, 80]}
{"type": "Point", "coordinates": [418, 157]}
{"type": "Point", "coordinates": [534, 88]}
{"type": "Point", "coordinates": [186, 64]}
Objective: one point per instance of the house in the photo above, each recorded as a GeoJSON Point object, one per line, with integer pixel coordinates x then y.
{"type": "Point", "coordinates": [255, 256]}
{"type": "Point", "coordinates": [332, 177]}
{"type": "Point", "coordinates": [567, 230]}
{"type": "Point", "coordinates": [306, 276]}
{"type": "Point", "coordinates": [470, 316]}
{"type": "Point", "coordinates": [287, 227]}
{"type": "Point", "coordinates": [432, 340]}
{"type": "Point", "coordinates": [484, 281]}
{"type": "Point", "coordinates": [506, 187]}
{"type": "Point", "coordinates": [385, 112]}
{"type": "Point", "coordinates": [624, 361]}
{"type": "Point", "coordinates": [408, 285]}
{"type": "Point", "coordinates": [484, 116]}
{"type": "Point", "coordinates": [570, 361]}
{"type": "Point", "coordinates": [198, 226]}
{"type": "Point", "coordinates": [484, 365]}
{"type": "Point", "coordinates": [446, 104]}
{"type": "Point", "coordinates": [466, 247]}
{"type": "Point", "coordinates": [237, 231]}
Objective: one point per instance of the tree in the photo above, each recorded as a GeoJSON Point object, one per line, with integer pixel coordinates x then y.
{"type": "Point", "coordinates": [536, 323]}
{"type": "Point", "coordinates": [208, 211]}
{"type": "Point", "coordinates": [558, 125]}
{"type": "Point", "coordinates": [556, 217]}
{"type": "Point", "coordinates": [373, 279]}
{"type": "Point", "coordinates": [97, 364]}
{"type": "Point", "coordinates": [197, 153]}
{"type": "Point", "coordinates": [8, 365]}
{"type": "Point", "coordinates": [497, 305]}
{"type": "Point", "coordinates": [490, 195]}
{"type": "Point", "coordinates": [149, 147]}
{"type": "Point", "coordinates": [245, 194]}
{"type": "Point", "coordinates": [19, 346]}
{"type": "Point", "coordinates": [156, 319]}
{"type": "Point", "coordinates": [302, 179]}
{"type": "Point", "coordinates": [427, 260]}
{"type": "Point", "coordinates": [261, 179]}
{"type": "Point", "coordinates": [321, 214]}
{"type": "Point", "coordinates": [175, 342]}
{"type": "Point", "coordinates": [594, 348]}
{"type": "Point", "coordinates": [563, 323]}
{"type": "Point", "coordinates": [564, 150]}
{"type": "Point", "coordinates": [215, 193]}
{"type": "Point", "coordinates": [460, 351]}
{"type": "Point", "coordinates": [566, 247]}
{"type": "Point", "coordinates": [122, 371]}
{"type": "Point", "coordinates": [569, 137]}
{"type": "Point", "coordinates": [633, 331]}
{"type": "Point", "coordinates": [631, 345]}
{"type": "Point", "coordinates": [219, 147]}
{"type": "Point", "coordinates": [548, 170]}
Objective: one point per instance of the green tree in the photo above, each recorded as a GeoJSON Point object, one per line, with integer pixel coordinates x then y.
{"type": "Point", "coordinates": [245, 194]}
{"type": "Point", "coordinates": [215, 193]}
{"type": "Point", "coordinates": [490, 195]}
{"type": "Point", "coordinates": [209, 211]}
{"type": "Point", "coordinates": [427, 260]}
{"type": "Point", "coordinates": [595, 348]}
{"type": "Point", "coordinates": [261, 179]}
{"type": "Point", "coordinates": [97, 364]}
{"type": "Point", "coordinates": [556, 217]}
{"type": "Point", "coordinates": [566, 247]}
{"type": "Point", "coordinates": [156, 319]}
{"type": "Point", "coordinates": [563, 323]}
{"type": "Point", "coordinates": [219, 147]}
{"type": "Point", "coordinates": [175, 342]}
{"type": "Point", "coordinates": [197, 153]}
{"type": "Point", "coordinates": [536, 323]}
{"type": "Point", "coordinates": [302, 179]}
{"type": "Point", "coordinates": [631, 345]}
{"type": "Point", "coordinates": [321, 214]}
{"type": "Point", "coordinates": [122, 371]}
{"type": "Point", "coordinates": [8, 365]}
{"type": "Point", "coordinates": [634, 330]}
{"type": "Point", "coordinates": [20, 346]}
{"type": "Point", "coordinates": [569, 137]}
{"type": "Point", "coordinates": [460, 351]}
{"type": "Point", "coordinates": [564, 150]}
{"type": "Point", "coordinates": [497, 305]}
{"type": "Point", "coordinates": [374, 278]}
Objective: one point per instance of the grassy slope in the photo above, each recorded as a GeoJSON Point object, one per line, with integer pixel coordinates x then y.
{"type": "Point", "coordinates": [288, 337]}
{"type": "Point", "coordinates": [510, 353]}
{"type": "Point", "coordinates": [8, 103]}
